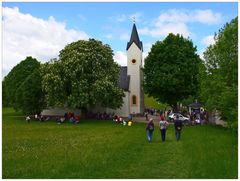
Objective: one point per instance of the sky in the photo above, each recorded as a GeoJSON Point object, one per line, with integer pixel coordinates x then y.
{"type": "Point", "coordinates": [42, 29]}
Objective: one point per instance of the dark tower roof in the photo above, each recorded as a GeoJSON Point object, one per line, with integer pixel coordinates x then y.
{"type": "Point", "coordinates": [134, 38]}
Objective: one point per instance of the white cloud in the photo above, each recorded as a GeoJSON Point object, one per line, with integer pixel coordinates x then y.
{"type": "Point", "coordinates": [176, 21]}
{"type": "Point", "coordinates": [208, 40]}
{"type": "Point", "coordinates": [147, 48]}
{"type": "Point", "coordinates": [165, 29]}
{"type": "Point", "coordinates": [121, 58]}
{"type": "Point", "coordinates": [185, 16]}
{"type": "Point", "coordinates": [25, 35]}
{"type": "Point", "coordinates": [207, 17]}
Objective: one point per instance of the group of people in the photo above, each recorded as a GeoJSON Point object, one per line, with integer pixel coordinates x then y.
{"type": "Point", "coordinates": [150, 111]}
{"type": "Point", "coordinates": [200, 118]}
{"type": "Point", "coordinates": [163, 125]}
{"type": "Point", "coordinates": [69, 117]}
{"type": "Point", "coordinates": [118, 119]}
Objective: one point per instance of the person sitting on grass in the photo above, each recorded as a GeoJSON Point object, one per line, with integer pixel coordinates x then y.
{"type": "Point", "coordinates": [28, 119]}
{"type": "Point", "coordinates": [66, 116]}
{"type": "Point", "coordinates": [120, 120]}
{"type": "Point", "coordinates": [129, 123]}
{"type": "Point", "coordinates": [77, 119]}
{"type": "Point", "coordinates": [62, 119]}
{"type": "Point", "coordinates": [72, 120]}
{"type": "Point", "coordinates": [130, 117]}
{"type": "Point", "coordinates": [115, 117]}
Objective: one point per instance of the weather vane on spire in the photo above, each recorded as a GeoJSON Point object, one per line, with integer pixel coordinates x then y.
{"type": "Point", "coordinates": [134, 19]}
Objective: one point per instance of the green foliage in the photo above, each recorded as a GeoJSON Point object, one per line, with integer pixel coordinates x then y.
{"type": "Point", "coordinates": [85, 75]}
{"type": "Point", "coordinates": [29, 95]}
{"type": "Point", "coordinates": [171, 70]}
{"type": "Point", "coordinates": [150, 102]}
{"type": "Point", "coordinates": [219, 83]}
{"type": "Point", "coordinates": [5, 95]}
{"type": "Point", "coordinates": [102, 149]}
{"type": "Point", "coordinates": [188, 100]}
{"type": "Point", "coordinates": [15, 78]}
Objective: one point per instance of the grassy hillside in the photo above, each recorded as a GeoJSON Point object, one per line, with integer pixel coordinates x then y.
{"type": "Point", "coordinates": [150, 102]}
{"type": "Point", "coordinates": [103, 149]}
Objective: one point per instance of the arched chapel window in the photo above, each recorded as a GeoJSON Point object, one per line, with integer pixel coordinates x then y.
{"type": "Point", "coordinates": [134, 100]}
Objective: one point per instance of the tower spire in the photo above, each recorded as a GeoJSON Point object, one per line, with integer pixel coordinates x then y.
{"type": "Point", "coordinates": [134, 38]}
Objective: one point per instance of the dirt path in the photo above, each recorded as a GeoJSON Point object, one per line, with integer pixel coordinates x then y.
{"type": "Point", "coordinates": [143, 119]}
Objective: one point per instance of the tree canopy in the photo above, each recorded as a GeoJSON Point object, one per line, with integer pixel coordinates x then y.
{"type": "Point", "coordinates": [15, 78]}
{"type": "Point", "coordinates": [29, 95]}
{"type": "Point", "coordinates": [22, 87]}
{"type": "Point", "coordinates": [85, 75]}
{"type": "Point", "coordinates": [219, 83]}
{"type": "Point", "coordinates": [171, 70]}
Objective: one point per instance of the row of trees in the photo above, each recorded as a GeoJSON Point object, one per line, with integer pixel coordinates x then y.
{"type": "Point", "coordinates": [219, 76]}
{"type": "Point", "coordinates": [85, 75]}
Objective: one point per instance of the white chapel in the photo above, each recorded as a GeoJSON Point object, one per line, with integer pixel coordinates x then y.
{"type": "Point", "coordinates": [131, 79]}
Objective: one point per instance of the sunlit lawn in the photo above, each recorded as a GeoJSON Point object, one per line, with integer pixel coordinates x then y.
{"type": "Point", "coordinates": [102, 149]}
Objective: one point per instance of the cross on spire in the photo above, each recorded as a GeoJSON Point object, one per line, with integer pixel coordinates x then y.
{"type": "Point", "coordinates": [134, 19]}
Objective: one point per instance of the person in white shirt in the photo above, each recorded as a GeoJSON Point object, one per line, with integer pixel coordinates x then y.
{"type": "Point", "coordinates": [163, 124]}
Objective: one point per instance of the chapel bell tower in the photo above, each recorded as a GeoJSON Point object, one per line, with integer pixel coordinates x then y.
{"type": "Point", "coordinates": [134, 70]}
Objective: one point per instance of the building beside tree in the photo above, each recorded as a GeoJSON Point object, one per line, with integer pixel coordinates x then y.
{"type": "Point", "coordinates": [130, 80]}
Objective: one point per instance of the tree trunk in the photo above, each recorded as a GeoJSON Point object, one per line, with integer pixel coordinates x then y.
{"type": "Point", "coordinates": [175, 108]}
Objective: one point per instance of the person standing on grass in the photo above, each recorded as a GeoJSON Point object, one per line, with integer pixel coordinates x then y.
{"type": "Point", "coordinates": [178, 127]}
{"type": "Point", "coordinates": [150, 129]}
{"type": "Point", "coordinates": [163, 127]}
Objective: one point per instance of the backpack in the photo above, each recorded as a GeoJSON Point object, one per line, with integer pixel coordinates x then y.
{"type": "Point", "coordinates": [151, 127]}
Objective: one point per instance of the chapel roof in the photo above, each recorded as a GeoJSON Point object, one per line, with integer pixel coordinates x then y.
{"type": "Point", "coordinates": [124, 79]}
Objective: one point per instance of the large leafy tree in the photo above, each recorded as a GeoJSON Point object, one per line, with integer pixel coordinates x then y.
{"type": "Point", "coordinates": [85, 75]}
{"type": "Point", "coordinates": [29, 95]}
{"type": "Point", "coordinates": [15, 78]}
{"type": "Point", "coordinates": [219, 84]}
{"type": "Point", "coordinates": [171, 70]}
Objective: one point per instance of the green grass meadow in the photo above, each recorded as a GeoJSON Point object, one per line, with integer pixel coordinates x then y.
{"type": "Point", "coordinates": [103, 149]}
